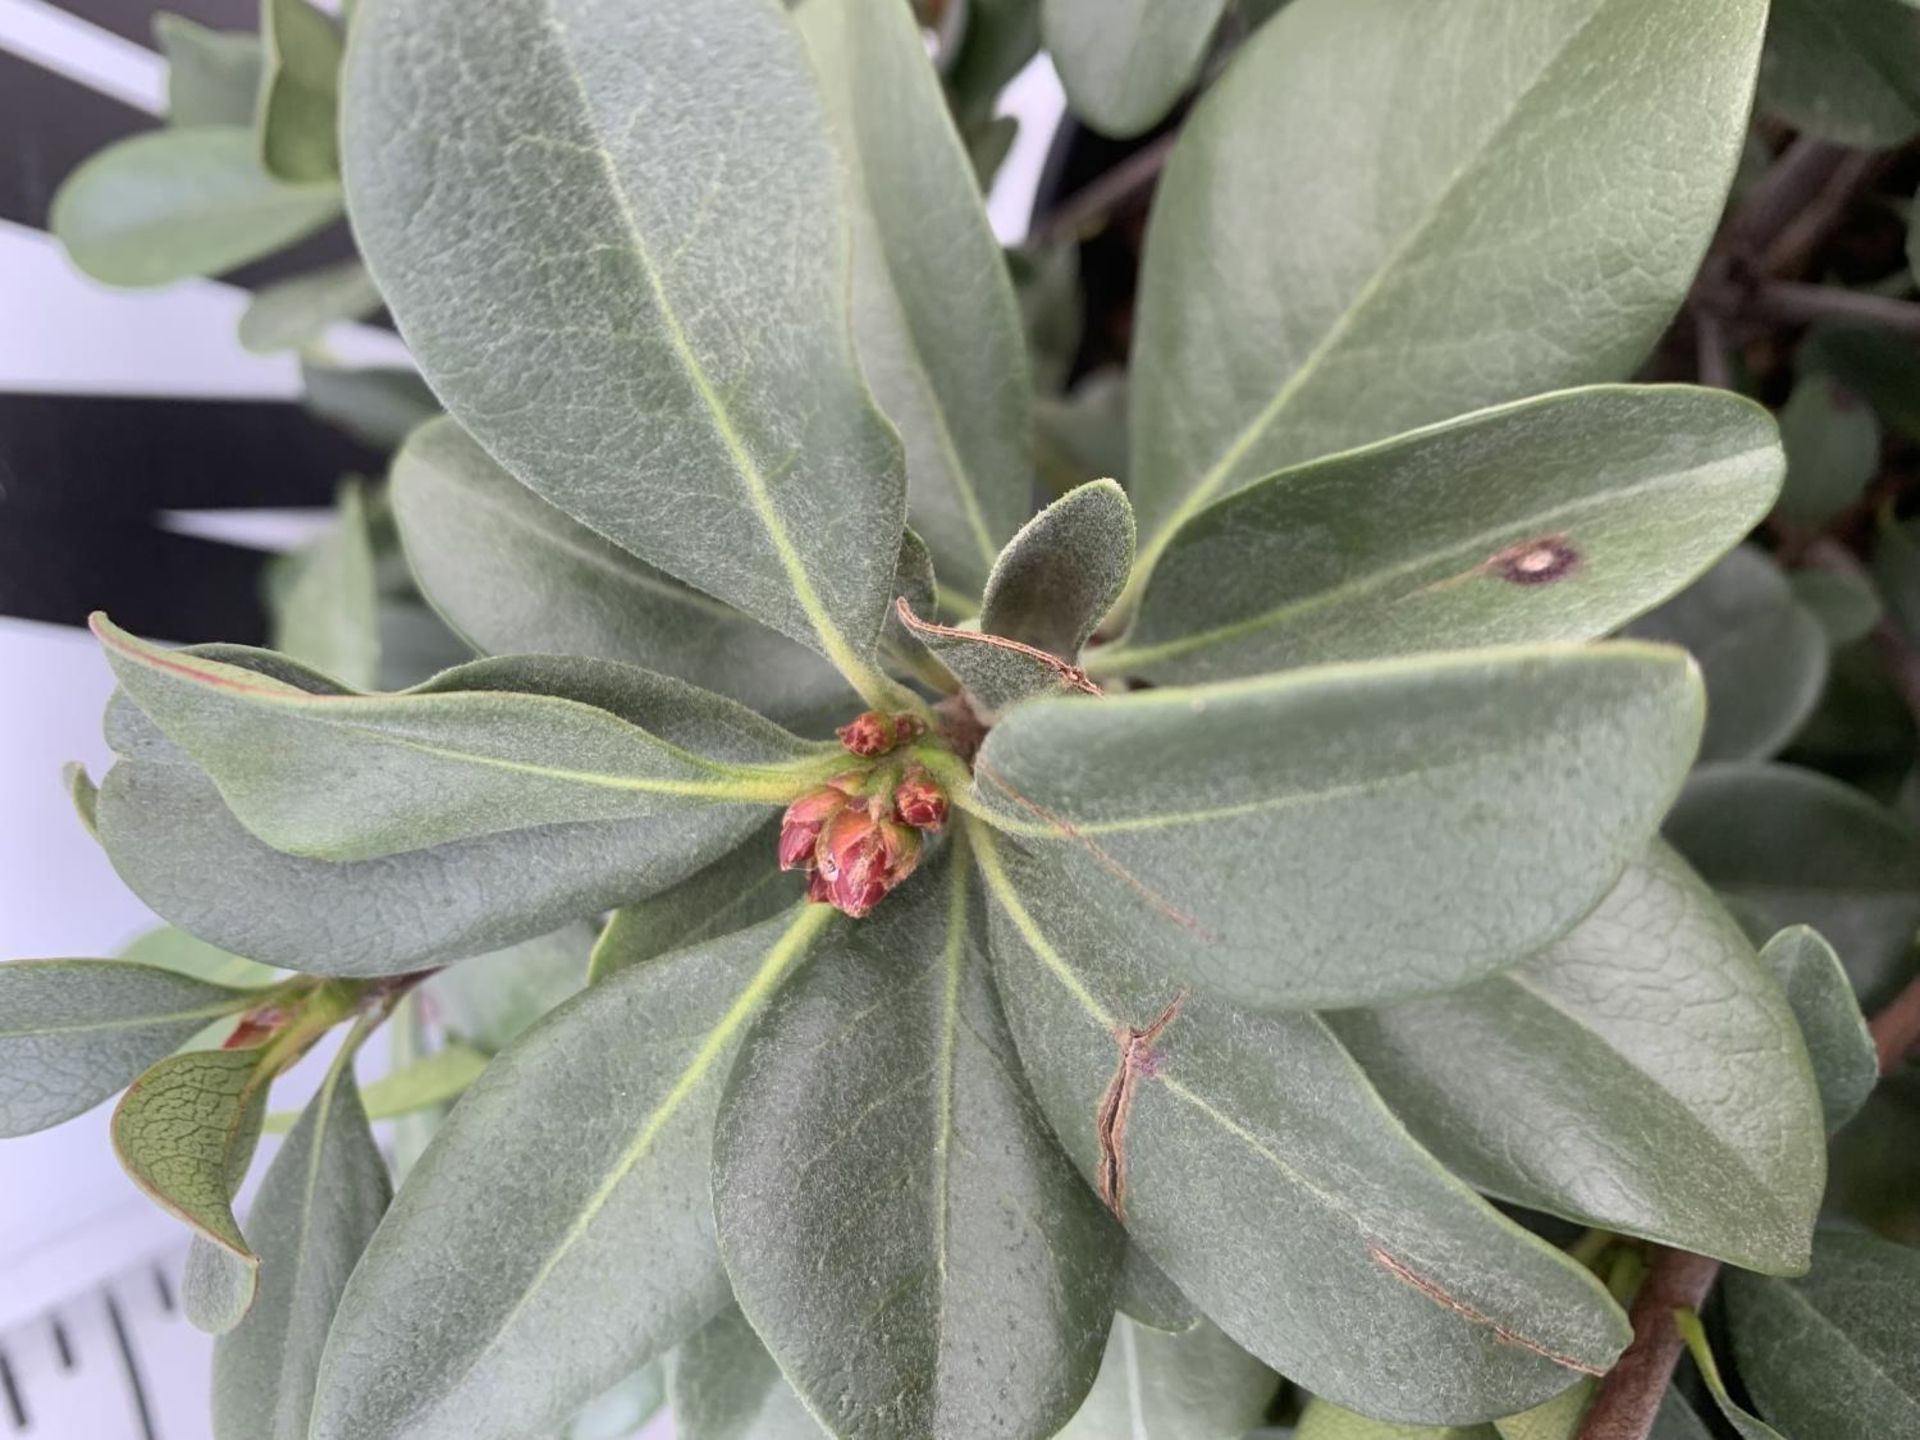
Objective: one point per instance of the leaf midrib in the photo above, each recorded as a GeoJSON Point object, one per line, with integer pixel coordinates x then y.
{"type": "Point", "coordinates": [1110, 660]}
{"type": "Point", "coordinates": [197, 1015]}
{"type": "Point", "coordinates": [833, 644]}
{"type": "Point", "coordinates": [1216, 474]}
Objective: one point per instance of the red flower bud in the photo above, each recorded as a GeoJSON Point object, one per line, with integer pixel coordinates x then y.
{"type": "Point", "coordinates": [861, 858]}
{"type": "Point", "coordinates": [869, 733]}
{"type": "Point", "coordinates": [800, 827]}
{"type": "Point", "coordinates": [919, 801]}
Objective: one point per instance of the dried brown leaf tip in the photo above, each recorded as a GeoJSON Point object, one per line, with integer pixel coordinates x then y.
{"type": "Point", "coordinates": [1138, 1060]}
{"type": "Point", "coordinates": [1538, 561]}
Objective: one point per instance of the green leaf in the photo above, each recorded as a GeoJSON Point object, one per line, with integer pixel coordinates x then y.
{"type": "Point", "coordinates": [74, 1032]}
{"type": "Point", "coordinates": [1763, 655]}
{"type": "Point", "coordinates": [1816, 986]}
{"type": "Point", "coordinates": [1147, 1296]}
{"type": "Point", "coordinates": [377, 405]}
{"type": "Point", "coordinates": [559, 1225]}
{"type": "Point", "coordinates": [217, 1287]}
{"type": "Point", "coordinates": [1123, 65]}
{"type": "Point", "coordinates": [1551, 519]}
{"type": "Point", "coordinates": [1324, 1420]}
{"type": "Point", "coordinates": [1389, 1284]}
{"type": "Point", "coordinates": [184, 954]}
{"type": "Point", "coordinates": [1797, 848]}
{"type": "Point", "coordinates": [1835, 1355]}
{"type": "Point", "coordinates": [1875, 363]}
{"type": "Point", "coordinates": [1348, 834]}
{"type": "Point", "coordinates": [1676, 1420]}
{"type": "Point", "coordinates": [724, 1386]}
{"type": "Point", "coordinates": [185, 1131]}
{"type": "Point", "coordinates": [1843, 70]}
{"type": "Point", "coordinates": [740, 889]}
{"type": "Point", "coordinates": [494, 746]}
{"type": "Point", "coordinates": [84, 795]}
{"type": "Point", "coordinates": [1832, 442]}
{"type": "Point", "coordinates": [493, 998]}
{"type": "Point", "coordinates": [896, 1219]}
{"type": "Point", "coordinates": [1896, 567]}
{"type": "Point", "coordinates": [213, 76]}
{"type": "Point", "coordinates": [934, 316]}
{"type": "Point", "coordinates": [1048, 591]}
{"type": "Point", "coordinates": [300, 96]}
{"type": "Point", "coordinates": [1082, 436]}
{"type": "Point", "coordinates": [295, 313]}
{"type": "Point", "coordinates": [324, 1194]}
{"type": "Point", "coordinates": [1001, 37]}
{"type": "Point", "coordinates": [1748, 1425]}
{"type": "Point", "coordinates": [175, 203]}
{"type": "Point", "coordinates": [181, 851]}
{"type": "Point", "coordinates": [1559, 1419]}
{"type": "Point", "coordinates": [1298, 299]}
{"type": "Point", "coordinates": [1153, 1386]}
{"type": "Point", "coordinates": [513, 574]}
{"type": "Point", "coordinates": [647, 197]}
{"type": "Point", "coordinates": [324, 600]}
{"type": "Point", "coordinates": [1642, 1075]}
{"type": "Point", "coordinates": [1842, 601]}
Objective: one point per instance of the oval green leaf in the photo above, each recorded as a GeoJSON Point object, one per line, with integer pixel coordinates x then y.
{"type": "Point", "coordinates": [1124, 64]}
{"type": "Point", "coordinates": [647, 197]}
{"type": "Point", "coordinates": [294, 313]}
{"type": "Point", "coordinates": [895, 1216]}
{"type": "Point", "coordinates": [1346, 834]}
{"type": "Point", "coordinates": [1551, 519]}
{"type": "Point", "coordinates": [1816, 986]}
{"type": "Point", "coordinates": [213, 76]}
{"type": "Point", "coordinates": [559, 1228]}
{"type": "Point", "coordinates": [1842, 70]}
{"type": "Point", "coordinates": [185, 1131]}
{"type": "Point", "coordinates": [1644, 1075]}
{"type": "Point", "coordinates": [1197, 1385]}
{"type": "Point", "coordinates": [723, 1385]}
{"type": "Point", "coordinates": [300, 100]}
{"type": "Point", "coordinates": [1283, 1197]}
{"type": "Point", "coordinates": [181, 202]}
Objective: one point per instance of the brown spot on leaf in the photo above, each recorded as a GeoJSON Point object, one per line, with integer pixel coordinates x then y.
{"type": "Point", "coordinates": [1535, 562]}
{"type": "Point", "coordinates": [1138, 1060]}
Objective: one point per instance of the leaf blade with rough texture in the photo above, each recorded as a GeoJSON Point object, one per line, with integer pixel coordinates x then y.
{"type": "Point", "coordinates": [663, 177]}
{"type": "Point", "coordinates": [1836, 1033]}
{"type": "Point", "coordinates": [1515, 245]}
{"type": "Point", "coordinates": [723, 1385]}
{"type": "Point", "coordinates": [875, 1145]}
{"type": "Point", "coordinates": [1643, 1074]}
{"type": "Point", "coordinates": [184, 1132]}
{"type": "Point", "coordinates": [1623, 494]}
{"type": "Point", "coordinates": [1181, 815]}
{"type": "Point", "coordinates": [934, 316]}
{"type": "Point", "coordinates": [572, 1184]}
{"type": "Point", "coordinates": [74, 1032]}
{"type": "Point", "coordinates": [1379, 1288]}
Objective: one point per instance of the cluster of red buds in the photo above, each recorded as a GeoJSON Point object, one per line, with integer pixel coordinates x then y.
{"type": "Point", "coordinates": [860, 835]}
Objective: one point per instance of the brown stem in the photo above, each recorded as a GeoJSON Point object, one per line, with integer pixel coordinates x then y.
{"type": "Point", "coordinates": [1710, 341]}
{"type": "Point", "coordinates": [1630, 1396]}
{"type": "Point", "coordinates": [1802, 173]}
{"type": "Point", "coordinates": [1790, 302]}
{"type": "Point", "coordinates": [1896, 1029]}
{"type": "Point", "coordinates": [1131, 177]}
{"type": "Point", "coordinates": [1794, 247]}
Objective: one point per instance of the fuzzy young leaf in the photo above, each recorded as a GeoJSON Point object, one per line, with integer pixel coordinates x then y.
{"type": "Point", "coordinates": [723, 1385]}
{"type": "Point", "coordinates": [213, 76]}
{"type": "Point", "coordinates": [294, 313]}
{"type": "Point", "coordinates": [1297, 298]}
{"type": "Point", "coordinates": [175, 203]}
{"type": "Point", "coordinates": [1550, 519]}
{"type": "Point", "coordinates": [1835, 1355]}
{"type": "Point", "coordinates": [740, 889]}
{"type": "Point", "coordinates": [646, 196]}
{"type": "Point", "coordinates": [1283, 1197]}
{"type": "Point", "coordinates": [1194, 1386]}
{"type": "Point", "coordinates": [1816, 986]}
{"type": "Point", "coordinates": [1124, 64]}
{"type": "Point", "coordinates": [1763, 654]}
{"type": "Point", "coordinates": [1644, 1075]}
{"type": "Point", "coordinates": [1347, 834]}
{"type": "Point", "coordinates": [514, 574]}
{"type": "Point", "coordinates": [934, 316]}
{"type": "Point", "coordinates": [1796, 848]}
{"type": "Point", "coordinates": [875, 1143]}
{"type": "Point", "coordinates": [74, 1032]}
{"type": "Point", "coordinates": [1843, 70]}
{"type": "Point", "coordinates": [300, 103]}
{"type": "Point", "coordinates": [498, 745]}
{"type": "Point", "coordinates": [185, 1131]}
{"type": "Point", "coordinates": [324, 1194]}
{"type": "Point", "coordinates": [558, 1230]}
